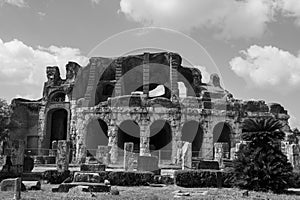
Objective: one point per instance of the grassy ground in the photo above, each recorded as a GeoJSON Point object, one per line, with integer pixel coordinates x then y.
{"type": "Point", "coordinates": [152, 193]}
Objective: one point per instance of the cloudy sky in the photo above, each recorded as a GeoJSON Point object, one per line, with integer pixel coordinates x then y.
{"type": "Point", "coordinates": [253, 44]}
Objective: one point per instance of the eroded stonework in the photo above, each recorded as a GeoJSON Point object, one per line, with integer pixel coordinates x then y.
{"type": "Point", "coordinates": [110, 93]}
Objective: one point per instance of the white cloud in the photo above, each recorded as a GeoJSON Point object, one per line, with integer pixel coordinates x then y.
{"type": "Point", "coordinates": [268, 67]}
{"type": "Point", "coordinates": [23, 66]}
{"type": "Point", "coordinates": [231, 18]}
{"type": "Point", "coordinates": [290, 8]}
{"type": "Point", "coordinates": [18, 3]}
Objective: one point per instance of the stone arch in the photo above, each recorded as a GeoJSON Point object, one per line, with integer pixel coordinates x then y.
{"type": "Point", "coordinates": [161, 138]}
{"type": "Point", "coordinates": [57, 96]}
{"type": "Point", "coordinates": [96, 134]}
{"type": "Point", "coordinates": [129, 131]}
{"type": "Point", "coordinates": [193, 132]}
{"type": "Point", "coordinates": [222, 132]}
{"type": "Point", "coordinates": [57, 126]}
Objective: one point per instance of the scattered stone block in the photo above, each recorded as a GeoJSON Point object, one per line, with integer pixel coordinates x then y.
{"type": "Point", "coordinates": [8, 184]}
{"type": "Point", "coordinates": [148, 163]}
{"type": "Point", "coordinates": [91, 187]}
{"type": "Point", "coordinates": [92, 167]}
{"type": "Point", "coordinates": [114, 192]}
{"type": "Point", "coordinates": [12, 184]}
{"type": "Point", "coordinates": [32, 185]}
{"type": "Point", "coordinates": [87, 177]}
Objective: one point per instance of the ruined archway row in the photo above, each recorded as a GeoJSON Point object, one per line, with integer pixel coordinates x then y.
{"type": "Point", "coordinates": [160, 136]}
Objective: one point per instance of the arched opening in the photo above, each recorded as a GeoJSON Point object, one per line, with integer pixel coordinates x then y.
{"type": "Point", "coordinates": [56, 127]}
{"type": "Point", "coordinates": [192, 132]}
{"type": "Point", "coordinates": [129, 131]}
{"type": "Point", "coordinates": [96, 135]}
{"type": "Point", "coordinates": [161, 138]}
{"type": "Point", "coordinates": [221, 134]}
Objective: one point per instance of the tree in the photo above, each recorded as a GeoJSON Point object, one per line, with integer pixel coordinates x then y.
{"type": "Point", "coordinates": [5, 114]}
{"type": "Point", "coordinates": [260, 164]}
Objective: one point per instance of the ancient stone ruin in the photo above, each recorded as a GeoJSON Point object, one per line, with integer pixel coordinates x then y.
{"type": "Point", "coordinates": [135, 99]}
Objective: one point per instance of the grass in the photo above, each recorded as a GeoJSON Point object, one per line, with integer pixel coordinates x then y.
{"type": "Point", "coordinates": [151, 193]}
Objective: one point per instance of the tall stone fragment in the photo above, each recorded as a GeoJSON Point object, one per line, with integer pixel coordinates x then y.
{"type": "Point", "coordinates": [221, 151]}
{"type": "Point", "coordinates": [53, 150]}
{"type": "Point", "coordinates": [102, 154]}
{"type": "Point", "coordinates": [62, 158]}
{"type": "Point", "coordinates": [128, 156]}
{"type": "Point", "coordinates": [187, 155]}
{"type": "Point", "coordinates": [293, 154]}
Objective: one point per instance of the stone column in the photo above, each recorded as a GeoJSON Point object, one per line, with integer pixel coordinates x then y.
{"type": "Point", "coordinates": [128, 156]}
{"type": "Point", "coordinates": [176, 137]}
{"type": "Point", "coordinates": [62, 158]}
{"type": "Point", "coordinates": [187, 155]}
{"type": "Point", "coordinates": [207, 148]}
{"type": "Point", "coordinates": [146, 74]}
{"type": "Point", "coordinates": [118, 86]}
{"type": "Point", "coordinates": [144, 139]}
{"type": "Point", "coordinates": [41, 128]}
{"type": "Point", "coordinates": [113, 143]}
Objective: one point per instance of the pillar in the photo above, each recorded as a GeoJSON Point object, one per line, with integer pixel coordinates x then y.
{"type": "Point", "coordinates": [113, 143]}
{"type": "Point", "coordinates": [118, 86]}
{"type": "Point", "coordinates": [144, 138]}
{"type": "Point", "coordinates": [146, 74]}
{"type": "Point", "coordinates": [174, 64]}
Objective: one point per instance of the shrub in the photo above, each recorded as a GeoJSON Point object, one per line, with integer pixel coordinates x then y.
{"type": "Point", "coordinates": [130, 178]}
{"type": "Point", "coordinates": [198, 178]}
{"type": "Point", "coordinates": [260, 165]}
{"type": "Point", "coordinates": [294, 181]}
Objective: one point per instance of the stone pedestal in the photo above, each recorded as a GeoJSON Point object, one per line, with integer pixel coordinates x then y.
{"type": "Point", "coordinates": [62, 158]}
{"type": "Point", "coordinates": [187, 155]}
{"type": "Point", "coordinates": [128, 156]}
